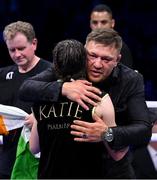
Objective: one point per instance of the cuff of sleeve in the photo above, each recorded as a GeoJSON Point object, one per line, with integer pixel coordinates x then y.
{"type": "Point", "coordinates": [116, 143]}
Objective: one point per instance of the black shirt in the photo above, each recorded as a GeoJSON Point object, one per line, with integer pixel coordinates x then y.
{"type": "Point", "coordinates": [61, 156]}
{"type": "Point", "coordinates": [10, 82]}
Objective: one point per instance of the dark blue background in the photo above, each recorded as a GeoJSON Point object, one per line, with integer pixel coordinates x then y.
{"type": "Point", "coordinates": [55, 20]}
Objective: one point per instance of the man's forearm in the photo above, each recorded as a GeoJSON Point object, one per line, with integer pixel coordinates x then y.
{"type": "Point", "coordinates": [134, 135]}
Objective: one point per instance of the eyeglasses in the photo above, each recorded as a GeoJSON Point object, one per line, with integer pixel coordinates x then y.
{"type": "Point", "coordinates": [93, 57]}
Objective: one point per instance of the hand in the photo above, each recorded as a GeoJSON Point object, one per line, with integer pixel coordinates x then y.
{"type": "Point", "coordinates": [29, 120]}
{"type": "Point", "coordinates": [87, 131]}
{"type": "Point", "coordinates": [81, 91]}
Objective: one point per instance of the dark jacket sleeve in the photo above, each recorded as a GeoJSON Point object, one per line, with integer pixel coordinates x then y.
{"type": "Point", "coordinates": [38, 88]}
{"type": "Point", "coordinates": [139, 129]}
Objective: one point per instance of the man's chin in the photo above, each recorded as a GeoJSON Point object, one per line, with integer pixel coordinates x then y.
{"type": "Point", "coordinates": [20, 63]}
{"type": "Point", "coordinates": [95, 79]}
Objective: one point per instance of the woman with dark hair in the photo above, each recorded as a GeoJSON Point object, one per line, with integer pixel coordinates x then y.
{"type": "Point", "coordinates": [61, 156]}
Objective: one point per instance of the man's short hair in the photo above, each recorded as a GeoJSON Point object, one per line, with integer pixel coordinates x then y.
{"type": "Point", "coordinates": [12, 29]}
{"type": "Point", "coordinates": [105, 37]}
{"type": "Point", "coordinates": [102, 8]}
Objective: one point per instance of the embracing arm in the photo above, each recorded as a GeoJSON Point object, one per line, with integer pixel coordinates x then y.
{"type": "Point", "coordinates": [42, 87]}
{"type": "Point", "coordinates": [136, 132]}
{"type": "Point", "coordinates": [45, 87]}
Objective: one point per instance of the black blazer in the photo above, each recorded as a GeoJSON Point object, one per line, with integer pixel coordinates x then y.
{"type": "Point", "coordinates": [143, 165]}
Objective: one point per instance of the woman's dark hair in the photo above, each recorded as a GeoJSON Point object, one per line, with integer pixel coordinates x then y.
{"type": "Point", "coordinates": [69, 59]}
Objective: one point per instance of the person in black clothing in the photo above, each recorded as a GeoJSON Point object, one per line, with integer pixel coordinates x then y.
{"type": "Point", "coordinates": [21, 43]}
{"type": "Point", "coordinates": [145, 158]}
{"type": "Point", "coordinates": [102, 17]}
{"type": "Point", "coordinates": [125, 87]}
{"type": "Point", "coordinates": [52, 129]}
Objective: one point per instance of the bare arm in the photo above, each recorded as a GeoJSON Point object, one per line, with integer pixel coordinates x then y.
{"type": "Point", "coordinates": [29, 120]}
{"type": "Point", "coordinates": [104, 117]}
{"type": "Point", "coordinates": [34, 139]}
{"type": "Point", "coordinates": [105, 110]}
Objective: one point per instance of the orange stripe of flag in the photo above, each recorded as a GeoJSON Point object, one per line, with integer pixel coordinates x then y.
{"type": "Point", "coordinates": [3, 130]}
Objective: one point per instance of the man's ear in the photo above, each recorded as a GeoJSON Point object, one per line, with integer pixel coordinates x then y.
{"type": "Point", "coordinates": [119, 58]}
{"type": "Point", "coordinates": [113, 23]}
{"type": "Point", "coordinates": [34, 43]}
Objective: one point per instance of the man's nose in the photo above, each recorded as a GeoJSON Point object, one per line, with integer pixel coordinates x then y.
{"type": "Point", "coordinates": [98, 62]}
{"type": "Point", "coordinates": [99, 25]}
{"type": "Point", "coordinates": [17, 52]}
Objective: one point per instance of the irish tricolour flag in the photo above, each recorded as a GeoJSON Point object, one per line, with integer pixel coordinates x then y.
{"type": "Point", "coordinates": [26, 164]}
{"type": "Point", "coordinates": [11, 118]}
